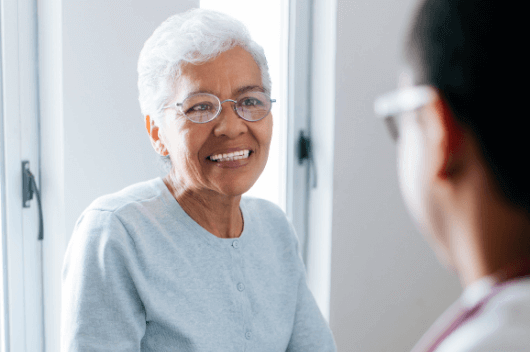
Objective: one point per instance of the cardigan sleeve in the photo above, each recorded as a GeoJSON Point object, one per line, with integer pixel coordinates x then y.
{"type": "Point", "coordinates": [310, 332]}
{"type": "Point", "coordinates": [101, 308]}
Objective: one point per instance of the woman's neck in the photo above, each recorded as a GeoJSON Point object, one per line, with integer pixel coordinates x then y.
{"type": "Point", "coordinates": [487, 232]}
{"type": "Point", "coordinates": [218, 214]}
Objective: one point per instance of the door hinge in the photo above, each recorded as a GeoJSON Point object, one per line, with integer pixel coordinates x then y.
{"type": "Point", "coordinates": [305, 152]}
{"type": "Point", "coordinates": [29, 186]}
{"type": "Point", "coordinates": [304, 147]}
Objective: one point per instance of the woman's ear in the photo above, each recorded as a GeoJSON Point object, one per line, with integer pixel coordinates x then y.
{"type": "Point", "coordinates": [453, 137]}
{"type": "Point", "coordinates": [154, 135]}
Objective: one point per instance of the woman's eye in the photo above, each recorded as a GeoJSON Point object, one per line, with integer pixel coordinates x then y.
{"type": "Point", "coordinates": [199, 107]}
{"type": "Point", "coordinates": [251, 102]}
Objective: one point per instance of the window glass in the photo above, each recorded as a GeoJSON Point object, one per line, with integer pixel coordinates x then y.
{"type": "Point", "coordinates": [265, 21]}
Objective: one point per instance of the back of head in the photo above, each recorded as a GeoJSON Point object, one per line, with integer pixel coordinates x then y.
{"type": "Point", "coordinates": [468, 50]}
{"type": "Point", "coordinates": [195, 36]}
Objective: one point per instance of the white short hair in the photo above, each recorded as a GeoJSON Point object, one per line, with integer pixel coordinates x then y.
{"type": "Point", "coordinates": [195, 36]}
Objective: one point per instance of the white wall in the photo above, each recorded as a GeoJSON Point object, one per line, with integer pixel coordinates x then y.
{"type": "Point", "coordinates": [386, 284]}
{"type": "Point", "coordinates": [93, 136]}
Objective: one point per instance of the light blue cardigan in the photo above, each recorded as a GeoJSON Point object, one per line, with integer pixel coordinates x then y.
{"type": "Point", "coordinates": [141, 275]}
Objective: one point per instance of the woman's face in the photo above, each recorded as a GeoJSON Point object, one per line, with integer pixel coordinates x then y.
{"type": "Point", "coordinates": [418, 167]}
{"type": "Point", "coordinates": [191, 145]}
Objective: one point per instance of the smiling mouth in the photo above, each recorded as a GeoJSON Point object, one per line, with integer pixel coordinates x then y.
{"type": "Point", "coordinates": [239, 155]}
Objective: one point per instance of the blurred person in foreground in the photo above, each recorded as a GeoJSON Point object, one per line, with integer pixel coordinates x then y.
{"type": "Point", "coordinates": [184, 263]}
{"type": "Point", "coordinates": [458, 119]}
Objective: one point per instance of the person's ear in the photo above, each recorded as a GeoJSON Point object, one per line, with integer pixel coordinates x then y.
{"type": "Point", "coordinates": [155, 136]}
{"type": "Point", "coordinates": [452, 139]}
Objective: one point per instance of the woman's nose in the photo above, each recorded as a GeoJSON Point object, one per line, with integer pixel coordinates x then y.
{"type": "Point", "coordinates": [229, 123]}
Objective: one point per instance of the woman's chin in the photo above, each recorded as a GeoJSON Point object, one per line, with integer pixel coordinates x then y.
{"type": "Point", "coordinates": [233, 189]}
{"type": "Point", "coordinates": [235, 184]}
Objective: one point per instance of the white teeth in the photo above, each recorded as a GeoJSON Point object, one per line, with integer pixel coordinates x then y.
{"type": "Point", "coordinates": [241, 154]}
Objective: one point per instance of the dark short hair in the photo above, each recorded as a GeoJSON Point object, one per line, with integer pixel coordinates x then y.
{"type": "Point", "coordinates": [472, 51]}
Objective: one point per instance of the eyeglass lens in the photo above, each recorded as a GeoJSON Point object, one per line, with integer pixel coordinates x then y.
{"type": "Point", "coordinates": [251, 106]}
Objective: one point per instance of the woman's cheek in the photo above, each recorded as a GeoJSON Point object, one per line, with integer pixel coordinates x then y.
{"type": "Point", "coordinates": [412, 173]}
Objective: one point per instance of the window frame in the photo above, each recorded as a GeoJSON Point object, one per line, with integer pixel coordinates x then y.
{"type": "Point", "coordinates": [4, 308]}
{"type": "Point", "coordinates": [312, 45]}
{"type": "Point", "coordinates": [298, 98]}
{"type": "Point", "coordinates": [21, 251]}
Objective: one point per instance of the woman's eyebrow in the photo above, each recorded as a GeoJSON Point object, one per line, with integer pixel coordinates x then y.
{"type": "Point", "coordinates": [237, 92]}
{"type": "Point", "coordinates": [249, 88]}
{"type": "Point", "coordinates": [200, 91]}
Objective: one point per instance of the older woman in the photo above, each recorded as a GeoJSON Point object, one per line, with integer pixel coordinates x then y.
{"type": "Point", "coordinates": [184, 263]}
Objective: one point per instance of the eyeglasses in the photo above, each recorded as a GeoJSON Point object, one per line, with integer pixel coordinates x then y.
{"type": "Point", "coordinates": [204, 107]}
{"type": "Point", "coordinates": [389, 106]}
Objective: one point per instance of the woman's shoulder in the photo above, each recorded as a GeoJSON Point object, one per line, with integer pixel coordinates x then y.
{"type": "Point", "coordinates": [263, 207]}
{"type": "Point", "coordinates": [138, 193]}
{"type": "Point", "coordinates": [131, 208]}
{"type": "Point", "coordinates": [502, 323]}
{"type": "Point", "coordinates": [113, 220]}
{"type": "Point", "coordinates": [270, 218]}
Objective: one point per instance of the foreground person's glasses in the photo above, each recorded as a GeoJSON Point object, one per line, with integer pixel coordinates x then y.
{"type": "Point", "coordinates": [204, 107]}
{"type": "Point", "coordinates": [389, 106]}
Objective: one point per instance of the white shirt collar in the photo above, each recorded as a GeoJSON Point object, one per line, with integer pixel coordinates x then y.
{"type": "Point", "coordinates": [477, 291]}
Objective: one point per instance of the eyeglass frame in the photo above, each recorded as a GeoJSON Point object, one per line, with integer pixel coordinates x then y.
{"type": "Point", "coordinates": [393, 104]}
{"type": "Point", "coordinates": [177, 105]}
